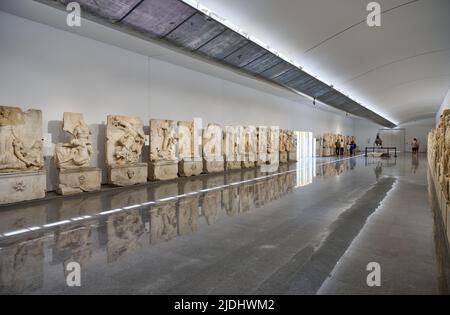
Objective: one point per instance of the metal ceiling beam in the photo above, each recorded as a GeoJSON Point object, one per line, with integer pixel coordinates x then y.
{"type": "Point", "coordinates": [188, 28]}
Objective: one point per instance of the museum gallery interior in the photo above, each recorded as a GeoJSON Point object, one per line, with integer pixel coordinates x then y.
{"type": "Point", "coordinates": [225, 147]}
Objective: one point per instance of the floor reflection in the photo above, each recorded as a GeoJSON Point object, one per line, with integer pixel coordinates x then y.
{"type": "Point", "coordinates": [38, 235]}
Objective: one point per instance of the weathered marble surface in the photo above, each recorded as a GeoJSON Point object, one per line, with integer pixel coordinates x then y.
{"type": "Point", "coordinates": [250, 145]}
{"type": "Point", "coordinates": [213, 160]}
{"type": "Point", "coordinates": [78, 152]}
{"type": "Point", "coordinates": [263, 144]}
{"type": "Point", "coordinates": [233, 147]}
{"type": "Point", "coordinates": [190, 163]}
{"type": "Point", "coordinates": [125, 139]}
{"type": "Point", "coordinates": [74, 181]}
{"type": "Point", "coordinates": [438, 152]}
{"type": "Point", "coordinates": [20, 140]}
{"type": "Point", "coordinates": [163, 140]}
{"type": "Point", "coordinates": [291, 146]}
{"type": "Point", "coordinates": [163, 163]}
{"type": "Point", "coordinates": [128, 175]}
{"type": "Point", "coordinates": [21, 156]}
{"type": "Point", "coordinates": [73, 158]}
{"type": "Point", "coordinates": [22, 186]}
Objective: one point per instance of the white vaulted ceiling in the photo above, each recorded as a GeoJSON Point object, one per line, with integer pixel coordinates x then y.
{"type": "Point", "coordinates": [401, 70]}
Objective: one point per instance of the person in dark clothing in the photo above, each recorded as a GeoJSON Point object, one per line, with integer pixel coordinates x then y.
{"type": "Point", "coordinates": [338, 147]}
{"type": "Point", "coordinates": [352, 148]}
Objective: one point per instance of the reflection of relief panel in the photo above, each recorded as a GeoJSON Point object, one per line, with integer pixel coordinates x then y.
{"type": "Point", "coordinates": [246, 197]}
{"type": "Point", "coordinates": [188, 212]}
{"type": "Point", "coordinates": [125, 235]}
{"type": "Point", "coordinates": [163, 222]}
{"type": "Point", "coordinates": [81, 205]}
{"type": "Point", "coordinates": [230, 200]}
{"type": "Point", "coordinates": [211, 206]}
{"type": "Point", "coordinates": [128, 198]}
{"type": "Point", "coordinates": [260, 194]}
{"type": "Point", "coordinates": [73, 245]}
{"type": "Point", "coordinates": [22, 267]}
{"type": "Point", "coordinates": [22, 217]}
{"type": "Point", "coordinates": [21, 155]}
{"type": "Point", "coordinates": [164, 190]}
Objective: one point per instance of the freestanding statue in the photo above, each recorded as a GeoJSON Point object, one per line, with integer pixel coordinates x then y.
{"type": "Point", "coordinates": [189, 154]}
{"type": "Point", "coordinates": [163, 163]}
{"type": "Point", "coordinates": [73, 159]}
{"type": "Point", "coordinates": [124, 141]}
{"type": "Point", "coordinates": [213, 161]}
{"type": "Point", "coordinates": [22, 175]}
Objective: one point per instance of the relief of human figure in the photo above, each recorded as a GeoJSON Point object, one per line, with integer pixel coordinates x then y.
{"type": "Point", "coordinates": [164, 140]}
{"type": "Point", "coordinates": [212, 142]}
{"type": "Point", "coordinates": [128, 147]}
{"type": "Point", "coordinates": [78, 152]}
{"type": "Point", "coordinates": [446, 156]}
{"type": "Point", "coordinates": [20, 140]}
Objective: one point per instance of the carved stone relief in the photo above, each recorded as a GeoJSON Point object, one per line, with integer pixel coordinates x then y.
{"type": "Point", "coordinates": [213, 160]}
{"type": "Point", "coordinates": [125, 139]}
{"type": "Point", "coordinates": [190, 163]}
{"type": "Point", "coordinates": [21, 155]}
{"type": "Point", "coordinates": [163, 150]}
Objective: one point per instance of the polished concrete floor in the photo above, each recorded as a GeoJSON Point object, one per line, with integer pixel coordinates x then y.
{"type": "Point", "coordinates": [311, 228]}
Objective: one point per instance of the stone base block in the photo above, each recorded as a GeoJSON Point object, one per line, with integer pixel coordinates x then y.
{"type": "Point", "coordinates": [190, 168]}
{"type": "Point", "coordinates": [283, 157]}
{"type": "Point", "coordinates": [79, 180]}
{"type": "Point", "coordinates": [22, 186]}
{"type": "Point", "coordinates": [292, 156]}
{"type": "Point", "coordinates": [233, 165]}
{"type": "Point", "coordinates": [128, 175]}
{"type": "Point", "coordinates": [248, 164]}
{"type": "Point", "coordinates": [162, 170]}
{"type": "Point", "coordinates": [214, 166]}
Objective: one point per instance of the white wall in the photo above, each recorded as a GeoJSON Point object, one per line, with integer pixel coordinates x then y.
{"type": "Point", "coordinates": [367, 131]}
{"type": "Point", "coordinates": [57, 71]}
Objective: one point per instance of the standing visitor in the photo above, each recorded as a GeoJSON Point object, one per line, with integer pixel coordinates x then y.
{"type": "Point", "coordinates": [342, 146]}
{"type": "Point", "coordinates": [352, 148]}
{"type": "Point", "coordinates": [415, 146]}
{"type": "Point", "coordinates": [338, 145]}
